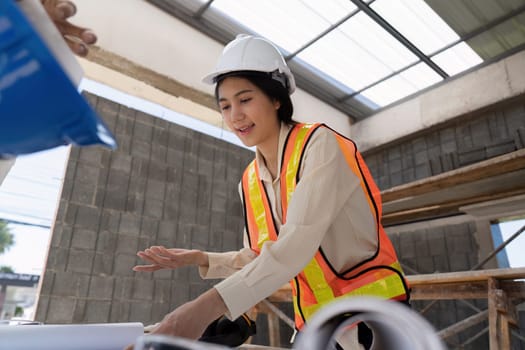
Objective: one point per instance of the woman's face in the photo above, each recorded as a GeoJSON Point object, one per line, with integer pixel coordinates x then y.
{"type": "Point", "coordinates": [249, 112]}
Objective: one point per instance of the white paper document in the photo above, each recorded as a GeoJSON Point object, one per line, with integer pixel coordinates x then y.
{"type": "Point", "coordinates": [103, 336]}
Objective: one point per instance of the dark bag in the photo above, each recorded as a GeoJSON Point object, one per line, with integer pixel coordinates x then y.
{"type": "Point", "coordinates": [231, 333]}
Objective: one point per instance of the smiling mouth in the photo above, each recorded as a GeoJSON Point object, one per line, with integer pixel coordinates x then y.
{"type": "Point", "coordinates": [246, 129]}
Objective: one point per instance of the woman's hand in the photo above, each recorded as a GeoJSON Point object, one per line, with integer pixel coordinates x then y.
{"type": "Point", "coordinates": [190, 320]}
{"type": "Point", "coordinates": [160, 257]}
{"type": "Point", "coordinates": [77, 38]}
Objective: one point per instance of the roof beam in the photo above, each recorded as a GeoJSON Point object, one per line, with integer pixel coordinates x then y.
{"type": "Point", "coordinates": [386, 26]}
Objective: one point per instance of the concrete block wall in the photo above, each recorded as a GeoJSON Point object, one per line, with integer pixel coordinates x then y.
{"type": "Point", "coordinates": [458, 143]}
{"type": "Point", "coordinates": [164, 185]}
{"type": "Point", "coordinates": [443, 249]}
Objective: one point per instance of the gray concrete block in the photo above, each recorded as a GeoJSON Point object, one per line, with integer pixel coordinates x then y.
{"type": "Point", "coordinates": [143, 289]}
{"type": "Point", "coordinates": [425, 264]}
{"type": "Point", "coordinates": [127, 244]}
{"type": "Point", "coordinates": [57, 259]}
{"type": "Point", "coordinates": [109, 220]}
{"type": "Point", "coordinates": [135, 205]}
{"type": "Point", "coordinates": [90, 156]}
{"type": "Point", "coordinates": [422, 171]}
{"type": "Point", "coordinates": [66, 189]}
{"type": "Point", "coordinates": [449, 147]}
{"type": "Point", "coordinates": [91, 99]}
{"type": "Point", "coordinates": [143, 132]}
{"type": "Point", "coordinates": [395, 165]}
{"type": "Point", "coordinates": [123, 264]}
{"type": "Point", "coordinates": [167, 229]}
{"type": "Point", "coordinates": [84, 239]}
{"type": "Point", "coordinates": [149, 227]}
{"type": "Point", "coordinates": [218, 201]}
{"type": "Point", "coordinates": [145, 118]}
{"type": "Point", "coordinates": [153, 208]}
{"type": "Point", "coordinates": [164, 274]}
{"type": "Point", "coordinates": [515, 117]}
{"type": "Point", "coordinates": [86, 174]}
{"type": "Point", "coordinates": [175, 157]}
{"type": "Point", "coordinates": [480, 132]}
{"type": "Point", "coordinates": [158, 311]}
{"type": "Point", "coordinates": [103, 264]}
{"type": "Point", "coordinates": [463, 137]}
{"type": "Point", "coordinates": [42, 307]}
{"type": "Point", "coordinates": [71, 214]}
{"type": "Point", "coordinates": [155, 189]}
{"type": "Point", "coordinates": [160, 136]}
{"type": "Point", "coordinates": [497, 127]}
{"type": "Point", "coordinates": [229, 240]}
{"type": "Point", "coordinates": [140, 311]}
{"type": "Point", "coordinates": [71, 284]}
{"type": "Point", "coordinates": [97, 311]}
{"type": "Point", "coordinates": [124, 143]}
{"type": "Point", "coordinates": [124, 127]}
{"type": "Point", "coordinates": [121, 162]}
{"type": "Point", "coordinates": [409, 175]}
{"type": "Point", "coordinates": [46, 284]}
{"type": "Point", "coordinates": [62, 206]}
{"type": "Point", "coordinates": [159, 153]}
{"type": "Point", "coordinates": [83, 194]}
{"type": "Point", "coordinates": [497, 149]}
{"type": "Point", "coordinates": [441, 263]}
{"type": "Point", "coordinates": [473, 155]}
{"type": "Point", "coordinates": [458, 262]}
{"type": "Point", "coordinates": [107, 107]}
{"type": "Point", "coordinates": [396, 178]}
{"type": "Point", "coordinates": [129, 224]}
{"type": "Point", "coordinates": [61, 236]}
{"type": "Point", "coordinates": [119, 312]}
{"type": "Point", "coordinates": [101, 287]}
{"type": "Point", "coordinates": [140, 149]}
{"type": "Point", "coordinates": [519, 138]}
{"type": "Point", "coordinates": [407, 246]}
{"type": "Point", "coordinates": [88, 217]}
{"type": "Point", "coordinates": [107, 241]}
{"type": "Point", "coordinates": [123, 289]}
{"type": "Point", "coordinates": [200, 237]}
{"type": "Point", "coordinates": [80, 261]}
{"type": "Point", "coordinates": [60, 310]}
{"type": "Point", "coordinates": [217, 220]}
{"type": "Point", "coordinates": [449, 161]}
{"type": "Point", "coordinates": [162, 291]}
{"type": "Point", "coordinates": [180, 294]}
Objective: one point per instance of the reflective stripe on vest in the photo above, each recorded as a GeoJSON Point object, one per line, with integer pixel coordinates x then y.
{"type": "Point", "coordinates": [259, 224]}
{"type": "Point", "coordinates": [319, 283]}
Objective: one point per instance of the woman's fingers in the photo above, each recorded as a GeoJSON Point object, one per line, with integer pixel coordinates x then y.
{"type": "Point", "coordinates": [147, 268]}
{"type": "Point", "coordinates": [77, 38]}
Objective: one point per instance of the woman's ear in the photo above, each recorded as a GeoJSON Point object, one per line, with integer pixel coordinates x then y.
{"type": "Point", "coordinates": [276, 104]}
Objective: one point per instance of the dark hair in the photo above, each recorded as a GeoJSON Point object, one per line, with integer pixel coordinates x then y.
{"type": "Point", "coordinates": [270, 87]}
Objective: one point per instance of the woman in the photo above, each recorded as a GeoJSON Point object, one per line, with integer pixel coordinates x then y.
{"type": "Point", "coordinates": [312, 210]}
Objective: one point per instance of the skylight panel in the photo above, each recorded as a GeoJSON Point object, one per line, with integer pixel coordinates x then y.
{"type": "Point", "coordinates": [332, 10]}
{"type": "Point", "coordinates": [401, 85]}
{"type": "Point", "coordinates": [358, 53]}
{"type": "Point", "coordinates": [457, 59]}
{"type": "Point", "coordinates": [289, 24]}
{"type": "Point", "coordinates": [417, 22]}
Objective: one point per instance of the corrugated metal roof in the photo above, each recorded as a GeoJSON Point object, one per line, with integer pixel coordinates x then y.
{"type": "Point", "coordinates": [361, 56]}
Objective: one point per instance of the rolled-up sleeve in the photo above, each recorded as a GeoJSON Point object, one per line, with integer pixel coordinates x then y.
{"type": "Point", "coordinates": [326, 184]}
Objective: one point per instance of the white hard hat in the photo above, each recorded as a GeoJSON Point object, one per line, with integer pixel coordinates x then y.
{"type": "Point", "coordinates": [250, 53]}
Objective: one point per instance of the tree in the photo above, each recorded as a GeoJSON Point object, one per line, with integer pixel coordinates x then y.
{"type": "Point", "coordinates": [6, 269]}
{"type": "Point", "coordinates": [6, 237]}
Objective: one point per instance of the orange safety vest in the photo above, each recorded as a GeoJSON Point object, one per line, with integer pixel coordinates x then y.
{"type": "Point", "coordinates": [319, 283]}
